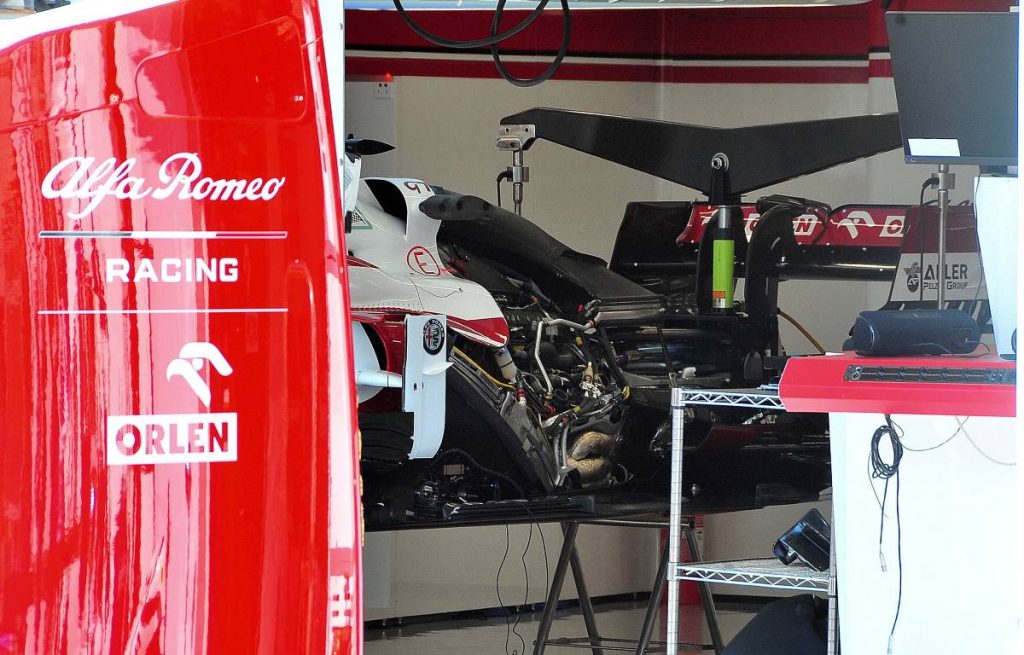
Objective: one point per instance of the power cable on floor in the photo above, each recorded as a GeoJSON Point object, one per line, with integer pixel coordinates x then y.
{"type": "Point", "coordinates": [526, 593]}
{"type": "Point", "coordinates": [509, 629]}
{"type": "Point", "coordinates": [497, 590]}
{"type": "Point", "coordinates": [886, 471]}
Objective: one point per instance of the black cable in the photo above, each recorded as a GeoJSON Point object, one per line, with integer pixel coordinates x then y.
{"type": "Point", "coordinates": [470, 44]}
{"type": "Point", "coordinates": [497, 589]}
{"type": "Point", "coordinates": [886, 471]}
{"type": "Point", "coordinates": [823, 212]}
{"type": "Point", "coordinates": [552, 67]}
{"type": "Point", "coordinates": [533, 521]}
{"type": "Point", "coordinates": [504, 175]}
{"type": "Point", "coordinates": [495, 37]}
{"type": "Point", "coordinates": [472, 462]}
{"type": "Point", "coordinates": [526, 593]}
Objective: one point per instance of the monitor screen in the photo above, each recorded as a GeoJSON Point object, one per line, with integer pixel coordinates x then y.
{"type": "Point", "coordinates": [956, 86]}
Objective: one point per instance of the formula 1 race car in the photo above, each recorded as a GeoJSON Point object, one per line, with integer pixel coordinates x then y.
{"type": "Point", "coordinates": [561, 367]}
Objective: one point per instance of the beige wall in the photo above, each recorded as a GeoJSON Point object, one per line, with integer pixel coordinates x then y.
{"type": "Point", "coordinates": [447, 130]}
{"type": "Point", "coordinates": [453, 569]}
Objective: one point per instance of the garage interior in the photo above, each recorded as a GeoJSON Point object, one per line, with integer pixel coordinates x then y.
{"type": "Point", "coordinates": [720, 67]}
{"type": "Point", "coordinates": [703, 339]}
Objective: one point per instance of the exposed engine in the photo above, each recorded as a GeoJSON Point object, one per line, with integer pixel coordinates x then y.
{"type": "Point", "coordinates": [556, 373]}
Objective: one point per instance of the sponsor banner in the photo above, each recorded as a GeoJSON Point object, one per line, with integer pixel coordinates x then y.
{"type": "Point", "coordinates": [917, 277]}
{"type": "Point", "coordinates": [862, 226]}
{"type": "Point", "coordinates": [172, 438]}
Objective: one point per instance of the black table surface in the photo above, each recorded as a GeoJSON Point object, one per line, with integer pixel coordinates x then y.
{"type": "Point", "coordinates": [636, 508]}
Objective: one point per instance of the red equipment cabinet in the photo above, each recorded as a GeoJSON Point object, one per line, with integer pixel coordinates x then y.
{"type": "Point", "coordinates": [944, 385]}
{"type": "Point", "coordinates": [178, 456]}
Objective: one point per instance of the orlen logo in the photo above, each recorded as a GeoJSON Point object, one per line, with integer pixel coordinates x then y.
{"type": "Point", "coordinates": [178, 438]}
{"type": "Point", "coordinates": [180, 175]}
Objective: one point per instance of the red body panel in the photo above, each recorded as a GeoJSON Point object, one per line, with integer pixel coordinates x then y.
{"type": "Point", "coordinates": [817, 384]}
{"type": "Point", "coordinates": [211, 122]}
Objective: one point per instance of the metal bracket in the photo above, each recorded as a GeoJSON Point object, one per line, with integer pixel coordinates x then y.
{"type": "Point", "coordinates": [516, 137]}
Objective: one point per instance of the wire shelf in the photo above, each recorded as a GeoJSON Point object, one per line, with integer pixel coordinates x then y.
{"type": "Point", "coordinates": [751, 398]}
{"type": "Point", "coordinates": [770, 573]}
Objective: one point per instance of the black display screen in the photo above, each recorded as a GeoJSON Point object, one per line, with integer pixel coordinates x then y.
{"type": "Point", "coordinates": [956, 86]}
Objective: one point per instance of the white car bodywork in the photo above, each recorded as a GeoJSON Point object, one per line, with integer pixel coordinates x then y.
{"type": "Point", "coordinates": [395, 269]}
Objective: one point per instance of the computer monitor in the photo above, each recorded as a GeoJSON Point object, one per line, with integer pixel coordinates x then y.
{"type": "Point", "coordinates": [956, 86]}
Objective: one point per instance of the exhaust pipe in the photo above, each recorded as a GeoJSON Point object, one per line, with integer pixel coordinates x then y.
{"type": "Point", "coordinates": [591, 456]}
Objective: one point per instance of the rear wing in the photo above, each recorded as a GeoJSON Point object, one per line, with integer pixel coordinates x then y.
{"type": "Point", "coordinates": [859, 242]}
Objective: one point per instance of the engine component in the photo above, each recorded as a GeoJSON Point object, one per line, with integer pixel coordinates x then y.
{"type": "Point", "coordinates": [591, 456]}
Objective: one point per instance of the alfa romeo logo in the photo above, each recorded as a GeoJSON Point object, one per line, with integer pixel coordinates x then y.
{"type": "Point", "coordinates": [433, 336]}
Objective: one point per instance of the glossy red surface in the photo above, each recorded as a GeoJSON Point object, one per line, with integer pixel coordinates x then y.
{"type": "Point", "coordinates": [816, 384]}
{"type": "Point", "coordinates": [203, 133]}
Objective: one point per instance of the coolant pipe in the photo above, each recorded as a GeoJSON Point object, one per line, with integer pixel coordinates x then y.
{"type": "Point", "coordinates": [586, 329]}
{"type": "Point", "coordinates": [540, 364]}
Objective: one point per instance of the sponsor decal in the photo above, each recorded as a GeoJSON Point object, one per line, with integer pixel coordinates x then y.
{"type": "Point", "coordinates": [963, 279]}
{"type": "Point", "coordinates": [191, 359]}
{"type": "Point", "coordinates": [172, 270]}
{"type": "Point", "coordinates": [180, 176]}
{"type": "Point", "coordinates": [172, 438]}
{"type": "Point", "coordinates": [857, 218]}
{"type": "Point", "coordinates": [893, 227]}
{"type": "Point", "coordinates": [846, 226]}
{"type": "Point", "coordinates": [913, 277]}
{"type": "Point", "coordinates": [433, 336]}
{"type": "Point", "coordinates": [178, 438]}
{"type": "Point", "coordinates": [420, 260]}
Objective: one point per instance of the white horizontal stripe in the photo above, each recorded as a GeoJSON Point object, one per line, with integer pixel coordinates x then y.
{"type": "Point", "coordinates": [620, 61]}
{"type": "Point", "coordinates": [163, 234]}
{"type": "Point", "coordinates": [94, 312]}
{"type": "Point", "coordinates": [79, 13]}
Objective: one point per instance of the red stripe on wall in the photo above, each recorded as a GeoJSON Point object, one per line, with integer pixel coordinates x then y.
{"type": "Point", "coordinates": [780, 33]}
{"type": "Point", "coordinates": [793, 33]}
{"type": "Point", "coordinates": [735, 35]}
{"type": "Point", "coordinates": [597, 72]}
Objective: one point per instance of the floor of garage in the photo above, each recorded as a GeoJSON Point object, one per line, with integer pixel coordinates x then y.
{"type": "Point", "coordinates": [487, 635]}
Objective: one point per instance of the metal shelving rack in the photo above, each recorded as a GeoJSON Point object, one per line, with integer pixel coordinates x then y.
{"type": "Point", "coordinates": [768, 573]}
{"type": "Point", "coordinates": [758, 572]}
